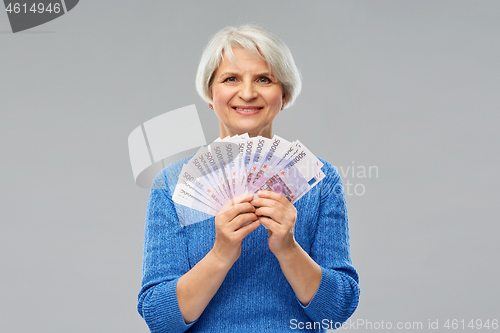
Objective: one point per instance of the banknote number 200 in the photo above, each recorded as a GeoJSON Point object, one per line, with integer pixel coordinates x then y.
{"type": "Point", "coordinates": [35, 8]}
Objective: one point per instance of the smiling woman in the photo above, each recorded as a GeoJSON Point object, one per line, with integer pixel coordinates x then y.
{"type": "Point", "coordinates": [226, 274]}
{"type": "Point", "coordinates": [246, 96]}
{"type": "Point", "coordinates": [247, 75]}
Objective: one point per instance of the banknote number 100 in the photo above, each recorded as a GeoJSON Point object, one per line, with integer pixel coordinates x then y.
{"type": "Point", "coordinates": [35, 8]}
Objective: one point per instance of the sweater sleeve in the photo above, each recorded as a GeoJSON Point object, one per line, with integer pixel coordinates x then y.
{"type": "Point", "coordinates": [165, 260]}
{"type": "Point", "coordinates": [338, 293]}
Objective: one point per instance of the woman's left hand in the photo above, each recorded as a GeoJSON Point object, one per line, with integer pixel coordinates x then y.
{"type": "Point", "coordinates": [278, 215]}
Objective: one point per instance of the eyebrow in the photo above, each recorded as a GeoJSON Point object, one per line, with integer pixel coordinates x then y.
{"type": "Point", "coordinates": [236, 74]}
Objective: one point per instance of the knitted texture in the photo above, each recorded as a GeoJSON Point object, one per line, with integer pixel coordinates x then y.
{"type": "Point", "coordinates": [255, 295]}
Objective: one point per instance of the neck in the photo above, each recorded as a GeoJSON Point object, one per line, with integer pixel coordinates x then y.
{"type": "Point", "coordinates": [266, 132]}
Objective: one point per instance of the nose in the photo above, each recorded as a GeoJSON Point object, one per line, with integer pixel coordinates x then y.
{"type": "Point", "coordinates": [247, 91]}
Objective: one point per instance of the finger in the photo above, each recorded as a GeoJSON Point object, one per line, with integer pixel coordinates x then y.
{"type": "Point", "coordinates": [272, 195]}
{"type": "Point", "coordinates": [247, 197]}
{"type": "Point", "coordinates": [275, 214]}
{"type": "Point", "coordinates": [232, 212]}
{"type": "Point", "coordinates": [270, 224]}
{"type": "Point", "coordinates": [261, 202]}
{"type": "Point", "coordinates": [247, 229]}
{"type": "Point", "coordinates": [273, 202]}
{"type": "Point", "coordinates": [242, 219]}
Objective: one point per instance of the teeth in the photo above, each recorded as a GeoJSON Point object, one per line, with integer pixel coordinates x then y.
{"type": "Point", "coordinates": [246, 109]}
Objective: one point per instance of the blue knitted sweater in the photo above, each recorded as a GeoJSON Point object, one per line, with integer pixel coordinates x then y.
{"type": "Point", "coordinates": [255, 295]}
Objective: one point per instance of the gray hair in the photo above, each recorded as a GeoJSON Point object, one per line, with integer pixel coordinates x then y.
{"type": "Point", "coordinates": [260, 43]}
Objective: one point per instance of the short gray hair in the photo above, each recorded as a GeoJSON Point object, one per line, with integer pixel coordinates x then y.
{"type": "Point", "coordinates": [260, 43]}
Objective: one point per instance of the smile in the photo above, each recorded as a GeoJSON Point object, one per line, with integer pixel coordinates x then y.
{"type": "Point", "coordinates": [247, 109]}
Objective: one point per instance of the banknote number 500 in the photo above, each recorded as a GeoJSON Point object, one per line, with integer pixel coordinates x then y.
{"type": "Point", "coordinates": [39, 8]}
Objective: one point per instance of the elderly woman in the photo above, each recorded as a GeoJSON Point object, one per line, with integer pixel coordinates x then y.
{"type": "Point", "coordinates": [227, 274]}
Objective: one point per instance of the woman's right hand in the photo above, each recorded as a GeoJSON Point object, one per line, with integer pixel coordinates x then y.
{"type": "Point", "coordinates": [196, 288]}
{"type": "Point", "coordinates": [235, 221]}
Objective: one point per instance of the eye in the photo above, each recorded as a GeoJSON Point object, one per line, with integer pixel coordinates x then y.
{"type": "Point", "coordinates": [264, 79]}
{"type": "Point", "coordinates": [230, 79]}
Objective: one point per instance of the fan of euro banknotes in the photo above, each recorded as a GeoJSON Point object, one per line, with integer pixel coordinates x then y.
{"type": "Point", "coordinates": [232, 166]}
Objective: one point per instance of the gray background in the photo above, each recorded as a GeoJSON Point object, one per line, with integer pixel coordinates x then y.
{"type": "Point", "coordinates": [411, 87]}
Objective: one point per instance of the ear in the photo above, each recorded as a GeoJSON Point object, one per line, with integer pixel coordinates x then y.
{"type": "Point", "coordinates": [283, 101]}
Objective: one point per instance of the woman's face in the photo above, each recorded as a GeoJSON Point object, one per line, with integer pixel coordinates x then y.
{"type": "Point", "coordinates": [246, 96]}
